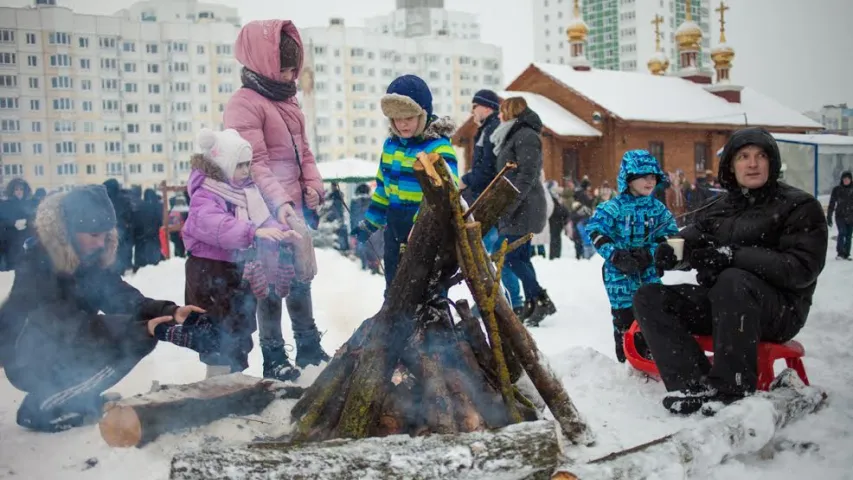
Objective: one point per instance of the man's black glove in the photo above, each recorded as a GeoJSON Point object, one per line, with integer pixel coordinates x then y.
{"type": "Point", "coordinates": [362, 231]}
{"type": "Point", "coordinates": [625, 262]}
{"type": "Point", "coordinates": [665, 258]}
{"type": "Point", "coordinates": [713, 259]}
{"type": "Point", "coordinates": [643, 256]}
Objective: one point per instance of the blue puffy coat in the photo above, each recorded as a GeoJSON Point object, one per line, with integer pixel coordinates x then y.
{"type": "Point", "coordinates": [629, 221]}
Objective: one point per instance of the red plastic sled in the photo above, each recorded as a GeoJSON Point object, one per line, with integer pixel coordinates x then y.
{"type": "Point", "coordinates": [792, 352]}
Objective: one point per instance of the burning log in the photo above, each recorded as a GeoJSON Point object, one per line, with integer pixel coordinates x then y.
{"type": "Point", "coordinates": [135, 421]}
{"type": "Point", "coordinates": [743, 428]}
{"type": "Point", "coordinates": [409, 369]}
{"type": "Point", "coordinates": [528, 450]}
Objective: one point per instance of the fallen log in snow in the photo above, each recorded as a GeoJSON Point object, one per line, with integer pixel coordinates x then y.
{"type": "Point", "coordinates": [528, 450]}
{"type": "Point", "coordinates": [135, 421]}
{"type": "Point", "coordinates": [743, 428]}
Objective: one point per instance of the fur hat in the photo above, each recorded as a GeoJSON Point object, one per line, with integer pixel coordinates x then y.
{"type": "Point", "coordinates": [289, 52]}
{"type": "Point", "coordinates": [408, 96]}
{"type": "Point", "coordinates": [487, 98]}
{"type": "Point", "coordinates": [226, 149]}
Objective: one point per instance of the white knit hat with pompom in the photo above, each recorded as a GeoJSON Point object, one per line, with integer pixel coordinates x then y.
{"type": "Point", "coordinates": [226, 149]}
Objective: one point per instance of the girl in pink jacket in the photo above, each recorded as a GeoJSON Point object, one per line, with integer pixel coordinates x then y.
{"type": "Point", "coordinates": [231, 234]}
{"type": "Point", "coordinates": [266, 113]}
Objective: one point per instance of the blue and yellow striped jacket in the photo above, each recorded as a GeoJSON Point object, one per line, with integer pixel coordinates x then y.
{"type": "Point", "coordinates": [397, 188]}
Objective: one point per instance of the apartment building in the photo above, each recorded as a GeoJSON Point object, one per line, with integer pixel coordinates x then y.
{"type": "Point", "coordinates": [84, 98]}
{"type": "Point", "coordinates": [348, 70]}
{"type": "Point", "coordinates": [416, 18]}
{"type": "Point", "coordinates": [621, 32]}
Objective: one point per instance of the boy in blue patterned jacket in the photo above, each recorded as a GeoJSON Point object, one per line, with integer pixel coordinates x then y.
{"type": "Point", "coordinates": [626, 232]}
{"type": "Point", "coordinates": [398, 195]}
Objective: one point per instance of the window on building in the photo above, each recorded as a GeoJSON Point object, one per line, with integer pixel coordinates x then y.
{"type": "Point", "coordinates": [656, 149]}
{"type": "Point", "coordinates": [35, 127]}
{"type": "Point", "coordinates": [154, 108]}
{"type": "Point", "coordinates": [107, 42]}
{"type": "Point", "coordinates": [156, 148]}
{"type": "Point", "coordinates": [31, 39]}
{"type": "Point", "coordinates": [158, 168]}
{"type": "Point", "coordinates": [130, 88]}
{"type": "Point", "coordinates": [63, 104]}
{"type": "Point", "coordinates": [66, 148]}
{"type": "Point", "coordinates": [89, 148]}
{"type": "Point", "coordinates": [109, 84]}
{"type": "Point", "coordinates": [34, 104]}
{"type": "Point", "coordinates": [130, 67]}
{"type": "Point", "coordinates": [199, 49]}
{"type": "Point", "coordinates": [151, 48]}
{"type": "Point", "coordinates": [156, 128]}
{"type": "Point", "coordinates": [7, 58]}
{"type": "Point", "coordinates": [132, 108]}
{"type": "Point", "coordinates": [66, 169]}
{"type": "Point", "coordinates": [85, 64]}
{"type": "Point", "coordinates": [132, 128]}
{"type": "Point", "coordinates": [133, 148]}
{"type": "Point", "coordinates": [153, 68]}
{"type": "Point", "coordinates": [32, 61]}
{"type": "Point", "coordinates": [64, 126]}
{"type": "Point", "coordinates": [109, 64]}
{"type": "Point", "coordinates": [60, 60]}
{"type": "Point", "coordinates": [700, 157]}
{"type": "Point", "coordinates": [38, 170]}
{"type": "Point", "coordinates": [89, 127]}
{"type": "Point", "coordinates": [59, 38]}
{"type": "Point", "coordinates": [87, 105]}
{"type": "Point", "coordinates": [8, 81]}
{"type": "Point", "coordinates": [90, 170]}
{"type": "Point", "coordinates": [109, 105]}
{"type": "Point", "coordinates": [10, 126]}
{"type": "Point", "coordinates": [128, 46]}
{"type": "Point", "coordinates": [112, 147]}
{"type": "Point", "coordinates": [83, 42]}
{"type": "Point", "coordinates": [61, 83]}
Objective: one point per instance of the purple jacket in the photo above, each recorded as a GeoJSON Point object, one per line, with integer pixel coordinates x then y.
{"type": "Point", "coordinates": [212, 230]}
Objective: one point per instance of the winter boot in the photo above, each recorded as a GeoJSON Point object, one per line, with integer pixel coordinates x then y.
{"type": "Point", "coordinates": [308, 348]}
{"type": "Point", "coordinates": [619, 337]}
{"type": "Point", "coordinates": [276, 364]}
{"type": "Point", "coordinates": [689, 400]}
{"type": "Point", "coordinates": [542, 307]}
{"type": "Point", "coordinates": [519, 312]}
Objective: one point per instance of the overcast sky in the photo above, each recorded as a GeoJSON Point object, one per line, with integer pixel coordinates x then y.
{"type": "Point", "coordinates": [795, 51]}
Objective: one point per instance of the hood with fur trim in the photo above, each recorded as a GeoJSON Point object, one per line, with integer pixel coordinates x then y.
{"type": "Point", "coordinates": [438, 127]}
{"type": "Point", "coordinates": [53, 235]}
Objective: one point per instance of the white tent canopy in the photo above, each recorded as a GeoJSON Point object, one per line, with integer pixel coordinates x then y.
{"type": "Point", "coordinates": [348, 170]}
{"type": "Point", "coordinates": [814, 163]}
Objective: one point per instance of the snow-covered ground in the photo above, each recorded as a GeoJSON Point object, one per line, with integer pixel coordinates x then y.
{"type": "Point", "coordinates": [622, 407]}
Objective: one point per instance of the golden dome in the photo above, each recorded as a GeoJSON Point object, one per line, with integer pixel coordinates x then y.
{"type": "Point", "coordinates": [658, 63]}
{"type": "Point", "coordinates": [577, 30]}
{"type": "Point", "coordinates": [688, 35]}
{"type": "Point", "coordinates": [722, 55]}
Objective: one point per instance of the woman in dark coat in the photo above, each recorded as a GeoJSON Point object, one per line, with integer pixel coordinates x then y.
{"type": "Point", "coordinates": [517, 141]}
{"type": "Point", "coordinates": [18, 214]}
{"type": "Point", "coordinates": [148, 219]}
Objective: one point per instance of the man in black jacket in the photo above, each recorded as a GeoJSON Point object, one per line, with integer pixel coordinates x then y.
{"type": "Point", "coordinates": [484, 109]}
{"type": "Point", "coordinates": [758, 250]}
{"type": "Point", "coordinates": [841, 204]}
{"type": "Point", "coordinates": [54, 343]}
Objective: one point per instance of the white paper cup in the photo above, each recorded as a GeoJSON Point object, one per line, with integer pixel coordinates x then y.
{"type": "Point", "coordinates": [677, 245]}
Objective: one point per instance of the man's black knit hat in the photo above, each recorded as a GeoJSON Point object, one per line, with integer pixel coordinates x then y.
{"type": "Point", "coordinates": [88, 209]}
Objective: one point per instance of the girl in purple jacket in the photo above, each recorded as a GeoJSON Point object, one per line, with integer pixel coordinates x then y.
{"type": "Point", "coordinates": [238, 252]}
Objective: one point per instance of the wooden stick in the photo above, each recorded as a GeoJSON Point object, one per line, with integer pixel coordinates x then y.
{"type": "Point", "coordinates": [507, 167]}
{"type": "Point", "coordinates": [513, 246]}
{"type": "Point", "coordinates": [426, 163]}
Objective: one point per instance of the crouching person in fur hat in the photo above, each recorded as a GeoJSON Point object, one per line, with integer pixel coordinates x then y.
{"type": "Point", "coordinates": [414, 129]}
{"type": "Point", "coordinates": [54, 342]}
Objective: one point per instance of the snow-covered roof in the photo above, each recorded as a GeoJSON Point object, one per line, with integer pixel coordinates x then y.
{"type": "Point", "coordinates": [348, 170]}
{"type": "Point", "coordinates": [643, 97]}
{"type": "Point", "coordinates": [827, 144]}
{"type": "Point", "coordinates": [556, 118]}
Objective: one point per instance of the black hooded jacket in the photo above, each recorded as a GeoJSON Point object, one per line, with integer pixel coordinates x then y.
{"type": "Point", "coordinates": [777, 232]}
{"type": "Point", "coordinates": [841, 201]}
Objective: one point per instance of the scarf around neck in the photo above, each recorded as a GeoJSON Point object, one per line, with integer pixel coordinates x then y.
{"type": "Point", "coordinates": [272, 89]}
{"type": "Point", "coordinates": [499, 135]}
{"type": "Point", "coordinates": [249, 203]}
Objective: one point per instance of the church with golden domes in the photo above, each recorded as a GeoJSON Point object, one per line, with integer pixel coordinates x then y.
{"type": "Point", "coordinates": [681, 114]}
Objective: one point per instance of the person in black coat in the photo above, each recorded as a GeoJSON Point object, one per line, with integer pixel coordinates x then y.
{"type": "Point", "coordinates": [758, 250]}
{"type": "Point", "coordinates": [54, 343]}
{"type": "Point", "coordinates": [556, 222]}
{"type": "Point", "coordinates": [841, 205]}
{"type": "Point", "coordinates": [147, 222]}
{"type": "Point", "coordinates": [124, 225]}
{"type": "Point", "coordinates": [18, 213]}
{"type": "Point", "coordinates": [357, 209]}
{"type": "Point", "coordinates": [484, 110]}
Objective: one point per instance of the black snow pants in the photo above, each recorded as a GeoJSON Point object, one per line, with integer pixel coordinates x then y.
{"type": "Point", "coordinates": [64, 380]}
{"type": "Point", "coordinates": [740, 310]}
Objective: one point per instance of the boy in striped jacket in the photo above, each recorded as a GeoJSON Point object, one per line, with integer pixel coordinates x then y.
{"type": "Point", "coordinates": [414, 129]}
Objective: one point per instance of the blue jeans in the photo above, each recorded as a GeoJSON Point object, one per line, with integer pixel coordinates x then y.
{"type": "Point", "coordinates": [845, 231]}
{"type": "Point", "coordinates": [519, 263]}
{"type": "Point", "coordinates": [510, 282]}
